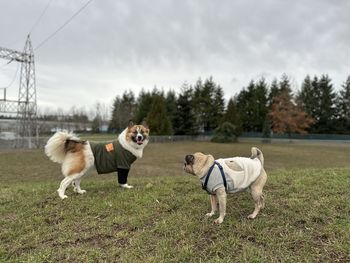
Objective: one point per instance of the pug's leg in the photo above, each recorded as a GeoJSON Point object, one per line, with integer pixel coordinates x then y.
{"type": "Point", "coordinates": [214, 205]}
{"type": "Point", "coordinates": [257, 194]}
{"type": "Point", "coordinates": [221, 196]}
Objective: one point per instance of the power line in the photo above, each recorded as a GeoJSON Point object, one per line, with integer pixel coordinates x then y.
{"type": "Point", "coordinates": [35, 24]}
{"type": "Point", "coordinates": [40, 17]}
{"type": "Point", "coordinates": [63, 25]}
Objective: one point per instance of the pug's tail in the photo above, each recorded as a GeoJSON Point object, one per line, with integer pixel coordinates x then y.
{"type": "Point", "coordinates": [256, 153]}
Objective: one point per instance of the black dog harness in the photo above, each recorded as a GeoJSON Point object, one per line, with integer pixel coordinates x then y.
{"type": "Point", "coordinates": [204, 186]}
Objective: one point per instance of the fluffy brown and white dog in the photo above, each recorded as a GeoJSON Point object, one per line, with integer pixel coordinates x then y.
{"type": "Point", "coordinates": [77, 156]}
{"type": "Point", "coordinates": [229, 175]}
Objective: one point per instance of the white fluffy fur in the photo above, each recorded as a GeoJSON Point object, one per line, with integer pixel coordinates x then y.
{"type": "Point", "coordinates": [54, 147]}
{"type": "Point", "coordinates": [131, 146]}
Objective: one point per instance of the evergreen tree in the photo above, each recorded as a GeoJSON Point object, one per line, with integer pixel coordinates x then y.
{"type": "Point", "coordinates": [201, 102]}
{"type": "Point", "coordinates": [231, 115]}
{"type": "Point", "coordinates": [278, 87]}
{"type": "Point", "coordinates": [157, 118]}
{"type": "Point", "coordinates": [225, 133]}
{"type": "Point", "coordinates": [170, 102]}
{"type": "Point", "coordinates": [246, 107]}
{"type": "Point", "coordinates": [158, 92]}
{"type": "Point", "coordinates": [123, 111]}
{"type": "Point", "coordinates": [284, 85]}
{"type": "Point", "coordinates": [144, 102]}
{"type": "Point", "coordinates": [274, 92]}
{"type": "Point", "coordinates": [327, 111]}
{"type": "Point", "coordinates": [343, 104]}
{"type": "Point", "coordinates": [318, 98]}
{"type": "Point", "coordinates": [306, 97]}
{"type": "Point", "coordinates": [185, 121]}
{"type": "Point", "coordinates": [261, 102]}
{"type": "Point", "coordinates": [252, 106]}
{"type": "Point", "coordinates": [208, 104]}
{"type": "Point", "coordinates": [218, 106]}
{"type": "Point", "coordinates": [114, 124]}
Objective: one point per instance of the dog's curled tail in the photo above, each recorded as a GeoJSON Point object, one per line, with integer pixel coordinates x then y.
{"type": "Point", "coordinates": [55, 147]}
{"type": "Point", "coordinates": [256, 153]}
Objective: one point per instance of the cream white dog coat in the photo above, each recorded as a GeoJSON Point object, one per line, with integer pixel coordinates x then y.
{"type": "Point", "coordinates": [236, 180]}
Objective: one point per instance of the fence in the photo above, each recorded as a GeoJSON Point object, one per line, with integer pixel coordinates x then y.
{"type": "Point", "coordinates": [22, 143]}
{"type": "Point", "coordinates": [179, 138]}
{"type": "Point", "coordinates": [297, 136]}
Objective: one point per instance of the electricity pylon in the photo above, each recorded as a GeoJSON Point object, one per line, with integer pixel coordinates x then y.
{"type": "Point", "coordinates": [25, 107]}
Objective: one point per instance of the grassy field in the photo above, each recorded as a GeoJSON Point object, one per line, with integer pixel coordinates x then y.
{"type": "Point", "coordinates": [306, 219]}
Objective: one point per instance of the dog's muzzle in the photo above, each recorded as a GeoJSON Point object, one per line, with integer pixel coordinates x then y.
{"type": "Point", "coordinates": [139, 138]}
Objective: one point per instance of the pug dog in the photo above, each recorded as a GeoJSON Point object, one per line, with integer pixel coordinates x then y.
{"type": "Point", "coordinates": [229, 175]}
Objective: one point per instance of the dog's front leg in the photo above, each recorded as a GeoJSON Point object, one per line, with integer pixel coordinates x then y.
{"type": "Point", "coordinates": [214, 205]}
{"type": "Point", "coordinates": [221, 196]}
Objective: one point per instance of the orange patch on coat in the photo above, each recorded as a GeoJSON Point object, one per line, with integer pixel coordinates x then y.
{"type": "Point", "coordinates": [109, 147]}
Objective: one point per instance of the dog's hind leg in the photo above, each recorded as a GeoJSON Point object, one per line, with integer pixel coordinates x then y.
{"type": "Point", "coordinates": [76, 185]}
{"type": "Point", "coordinates": [257, 194]}
{"type": "Point", "coordinates": [65, 183]}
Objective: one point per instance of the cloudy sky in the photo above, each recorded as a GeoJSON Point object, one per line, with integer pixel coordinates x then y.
{"type": "Point", "coordinates": [118, 45]}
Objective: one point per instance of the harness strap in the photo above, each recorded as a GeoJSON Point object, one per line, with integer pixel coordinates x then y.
{"type": "Point", "coordinates": [223, 175]}
{"type": "Point", "coordinates": [204, 186]}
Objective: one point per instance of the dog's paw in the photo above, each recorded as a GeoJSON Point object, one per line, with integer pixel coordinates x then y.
{"type": "Point", "coordinates": [126, 186]}
{"type": "Point", "coordinates": [61, 194]}
{"type": "Point", "coordinates": [209, 214]}
{"type": "Point", "coordinates": [218, 221]}
{"type": "Point", "coordinates": [251, 216]}
{"type": "Point", "coordinates": [81, 192]}
{"type": "Point", "coordinates": [63, 197]}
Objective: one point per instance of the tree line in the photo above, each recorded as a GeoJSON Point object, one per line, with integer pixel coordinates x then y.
{"type": "Point", "coordinates": [260, 107]}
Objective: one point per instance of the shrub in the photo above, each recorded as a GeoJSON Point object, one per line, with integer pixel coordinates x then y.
{"type": "Point", "coordinates": [226, 132]}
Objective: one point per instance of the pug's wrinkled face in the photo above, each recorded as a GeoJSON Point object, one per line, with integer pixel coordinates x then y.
{"type": "Point", "coordinates": [197, 163]}
{"type": "Point", "coordinates": [188, 164]}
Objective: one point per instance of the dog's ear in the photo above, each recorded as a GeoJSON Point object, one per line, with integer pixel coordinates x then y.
{"type": "Point", "coordinates": [144, 124]}
{"type": "Point", "coordinates": [130, 124]}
